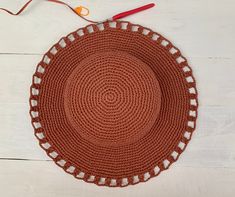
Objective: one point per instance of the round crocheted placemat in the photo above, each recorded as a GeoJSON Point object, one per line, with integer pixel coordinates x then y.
{"type": "Point", "coordinates": [113, 104]}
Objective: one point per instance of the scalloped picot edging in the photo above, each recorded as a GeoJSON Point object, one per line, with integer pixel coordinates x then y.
{"type": "Point", "coordinates": [108, 181]}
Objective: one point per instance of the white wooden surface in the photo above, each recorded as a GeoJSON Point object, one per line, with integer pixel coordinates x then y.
{"type": "Point", "coordinates": [204, 31]}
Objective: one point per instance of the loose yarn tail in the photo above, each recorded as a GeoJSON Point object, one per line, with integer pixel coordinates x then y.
{"type": "Point", "coordinates": [78, 11]}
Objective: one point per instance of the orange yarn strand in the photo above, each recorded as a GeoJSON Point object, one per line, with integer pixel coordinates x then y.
{"type": "Point", "coordinates": [78, 11]}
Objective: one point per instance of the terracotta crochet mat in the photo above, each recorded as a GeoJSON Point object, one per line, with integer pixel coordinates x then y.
{"type": "Point", "coordinates": [113, 103]}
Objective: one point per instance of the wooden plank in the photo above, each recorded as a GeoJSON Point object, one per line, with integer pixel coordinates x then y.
{"type": "Point", "coordinates": [40, 178]}
{"type": "Point", "coordinates": [201, 29]}
{"type": "Point", "coordinates": [212, 144]}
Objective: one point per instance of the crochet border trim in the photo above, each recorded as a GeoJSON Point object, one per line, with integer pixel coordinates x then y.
{"type": "Point", "coordinates": [108, 181]}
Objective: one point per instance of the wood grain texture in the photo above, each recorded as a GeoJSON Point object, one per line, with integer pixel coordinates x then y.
{"type": "Point", "coordinates": [203, 30]}
{"type": "Point", "coordinates": [50, 181]}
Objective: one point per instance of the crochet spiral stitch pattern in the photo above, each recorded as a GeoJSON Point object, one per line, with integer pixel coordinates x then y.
{"type": "Point", "coordinates": [113, 103]}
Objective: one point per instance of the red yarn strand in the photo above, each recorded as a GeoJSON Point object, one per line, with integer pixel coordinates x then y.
{"type": "Point", "coordinates": [115, 17]}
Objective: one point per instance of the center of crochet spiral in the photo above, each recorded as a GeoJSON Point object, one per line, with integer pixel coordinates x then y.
{"type": "Point", "coordinates": [112, 98]}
